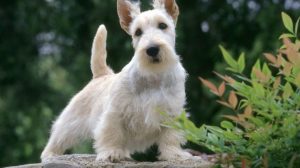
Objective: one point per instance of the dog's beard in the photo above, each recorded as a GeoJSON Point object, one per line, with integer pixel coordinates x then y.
{"type": "Point", "coordinates": [165, 59]}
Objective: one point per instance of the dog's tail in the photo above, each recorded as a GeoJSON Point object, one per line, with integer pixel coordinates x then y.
{"type": "Point", "coordinates": [98, 59]}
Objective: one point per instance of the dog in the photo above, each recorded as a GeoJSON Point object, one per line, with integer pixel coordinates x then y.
{"type": "Point", "coordinates": [122, 111]}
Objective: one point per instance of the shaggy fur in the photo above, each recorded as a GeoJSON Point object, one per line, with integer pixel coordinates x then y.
{"type": "Point", "coordinates": [121, 111]}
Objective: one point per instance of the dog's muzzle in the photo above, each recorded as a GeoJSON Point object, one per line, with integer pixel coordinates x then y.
{"type": "Point", "coordinates": [153, 52]}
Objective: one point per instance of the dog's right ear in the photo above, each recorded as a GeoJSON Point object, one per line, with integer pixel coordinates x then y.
{"type": "Point", "coordinates": [127, 11]}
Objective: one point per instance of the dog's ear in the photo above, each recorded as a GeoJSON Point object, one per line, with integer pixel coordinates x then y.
{"type": "Point", "coordinates": [127, 11]}
{"type": "Point", "coordinates": [170, 6]}
{"type": "Point", "coordinates": [172, 9]}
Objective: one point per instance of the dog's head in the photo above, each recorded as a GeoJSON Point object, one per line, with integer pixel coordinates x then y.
{"type": "Point", "coordinates": [152, 31]}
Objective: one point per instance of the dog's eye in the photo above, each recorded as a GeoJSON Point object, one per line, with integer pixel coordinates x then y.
{"type": "Point", "coordinates": [138, 32]}
{"type": "Point", "coordinates": [162, 26]}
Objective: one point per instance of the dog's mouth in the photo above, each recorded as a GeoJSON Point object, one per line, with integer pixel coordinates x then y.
{"type": "Point", "coordinates": [155, 60]}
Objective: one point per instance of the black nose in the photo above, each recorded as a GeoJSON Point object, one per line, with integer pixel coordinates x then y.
{"type": "Point", "coordinates": [152, 51]}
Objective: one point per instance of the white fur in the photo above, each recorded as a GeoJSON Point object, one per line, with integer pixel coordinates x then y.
{"type": "Point", "coordinates": [158, 4]}
{"type": "Point", "coordinates": [134, 9]}
{"type": "Point", "coordinates": [121, 112]}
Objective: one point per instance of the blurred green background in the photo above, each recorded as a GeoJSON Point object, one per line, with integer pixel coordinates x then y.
{"type": "Point", "coordinates": [45, 52]}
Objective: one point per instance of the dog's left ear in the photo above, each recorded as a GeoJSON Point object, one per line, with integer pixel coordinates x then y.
{"type": "Point", "coordinates": [127, 11]}
{"type": "Point", "coordinates": [170, 6]}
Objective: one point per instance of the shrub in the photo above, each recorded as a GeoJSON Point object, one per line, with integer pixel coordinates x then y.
{"type": "Point", "coordinates": [265, 130]}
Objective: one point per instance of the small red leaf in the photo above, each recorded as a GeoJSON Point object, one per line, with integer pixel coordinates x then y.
{"type": "Point", "coordinates": [232, 118]}
{"type": "Point", "coordinates": [277, 82]}
{"type": "Point", "coordinates": [224, 103]}
{"type": "Point", "coordinates": [261, 76]}
{"type": "Point", "coordinates": [287, 69]}
{"type": "Point", "coordinates": [239, 120]}
{"type": "Point", "coordinates": [221, 89]}
{"type": "Point", "coordinates": [248, 111]}
{"type": "Point", "coordinates": [280, 60]}
{"type": "Point", "coordinates": [241, 117]}
{"type": "Point", "coordinates": [226, 78]}
{"type": "Point", "coordinates": [244, 163]}
{"type": "Point", "coordinates": [233, 99]}
{"type": "Point", "coordinates": [210, 85]}
{"type": "Point", "coordinates": [271, 58]}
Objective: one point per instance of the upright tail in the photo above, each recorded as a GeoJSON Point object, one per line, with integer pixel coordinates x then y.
{"type": "Point", "coordinates": [98, 59]}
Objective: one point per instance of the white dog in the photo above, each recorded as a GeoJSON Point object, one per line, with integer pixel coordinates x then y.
{"type": "Point", "coordinates": [121, 111]}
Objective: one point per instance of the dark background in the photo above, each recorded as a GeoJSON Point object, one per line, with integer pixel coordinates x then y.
{"type": "Point", "coordinates": [45, 53]}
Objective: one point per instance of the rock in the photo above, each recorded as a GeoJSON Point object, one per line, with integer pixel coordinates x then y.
{"type": "Point", "coordinates": [35, 165]}
{"type": "Point", "coordinates": [88, 161]}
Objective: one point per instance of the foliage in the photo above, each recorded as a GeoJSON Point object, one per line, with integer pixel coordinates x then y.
{"type": "Point", "coordinates": [45, 52]}
{"type": "Point", "coordinates": [265, 131]}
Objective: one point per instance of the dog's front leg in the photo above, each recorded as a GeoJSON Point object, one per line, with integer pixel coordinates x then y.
{"type": "Point", "coordinates": [169, 146]}
{"type": "Point", "coordinates": [109, 139]}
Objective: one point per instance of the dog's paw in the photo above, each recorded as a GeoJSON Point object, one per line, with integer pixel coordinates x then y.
{"type": "Point", "coordinates": [177, 155]}
{"type": "Point", "coordinates": [113, 156]}
{"type": "Point", "coordinates": [46, 155]}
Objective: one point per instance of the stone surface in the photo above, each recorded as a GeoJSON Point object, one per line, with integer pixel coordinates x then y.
{"type": "Point", "coordinates": [36, 165]}
{"type": "Point", "coordinates": [88, 161]}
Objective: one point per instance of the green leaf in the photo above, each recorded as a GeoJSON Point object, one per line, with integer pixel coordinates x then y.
{"type": "Point", "coordinates": [256, 66]}
{"type": "Point", "coordinates": [287, 91]}
{"type": "Point", "coordinates": [183, 116]}
{"type": "Point", "coordinates": [297, 27]}
{"type": "Point", "coordinates": [266, 70]}
{"type": "Point", "coordinates": [257, 136]}
{"type": "Point", "coordinates": [258, 89]}
{"type": "Point", "coordinates": [227, 125]}
{"type": "Point", "coordinates": [228, 58]}
{"type": "Point", "coordinates": [241, 62]}
{"type": "Point", "coordinates": [232, 69]}
{"type": "Point", "coordinates": [287, 21]}
{"type": "Point", "coordinates": [297, 81]}
{"type": "Point", "coordinates": [216, 130]}
{"type": "Point", "coordinates": [212, 138]}
{"type": "Point", "coordinates": [189, 125]}
{"type": "Point", "coordinates": [202, 132]}
{"type": "Point", "coordinates": [286, 35]}
{"type": "Point", "coordinates": [257, 121]}
{"type": "Point", "coordinates": [231, 136]}
{"type": "Point", "coordinates": [282, 47]}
